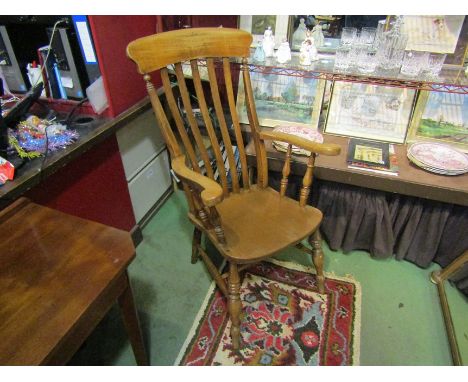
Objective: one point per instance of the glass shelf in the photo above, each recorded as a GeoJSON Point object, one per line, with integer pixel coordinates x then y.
{"type": "Point", "coordinates": [451, 79]}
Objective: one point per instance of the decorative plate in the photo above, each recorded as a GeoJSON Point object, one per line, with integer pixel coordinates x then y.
{"type": "Point", "coordinates": [299, 131]}
{"type": "Point", "coordinates": [439, 157]}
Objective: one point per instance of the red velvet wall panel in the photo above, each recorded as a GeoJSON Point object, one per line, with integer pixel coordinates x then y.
{"type": "Point", "coordinates": [91, 187]}
{"type": "Point", "coordinates": [111, 35]}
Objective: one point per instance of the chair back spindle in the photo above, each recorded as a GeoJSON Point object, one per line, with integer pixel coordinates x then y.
{"type": "Point", "coordinates": [262, 165]}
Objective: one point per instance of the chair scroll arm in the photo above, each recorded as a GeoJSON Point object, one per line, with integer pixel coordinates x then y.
{"type": "Point", "coordinates": [211, 193]}
{"type": "Point", "coordinates": [318, 148]}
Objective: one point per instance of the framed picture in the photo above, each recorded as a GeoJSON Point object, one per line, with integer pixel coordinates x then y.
{"type": "Point", "coordinates": [375, 112]}
{"type": "Point", "coordinates": [257, 24]}
{"type": "Point", "coordinates": [437, 34]}
{"type": "Point", "coordinates": [441, 117]}
{"type": "Point", "coordinates": [461, 51]}
{"type": "Point", "coordinates": [281, 99]}
{"type": "Point", "coordinates": [330, 27]}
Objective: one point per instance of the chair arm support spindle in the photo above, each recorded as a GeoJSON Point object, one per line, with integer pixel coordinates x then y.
{"type": "Point", "coordinates": [286, 171]}
{"type": "Point", "coordinates": [307, 181]}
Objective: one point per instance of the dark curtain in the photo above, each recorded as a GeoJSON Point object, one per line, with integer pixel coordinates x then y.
{"type": "Point", "coordinates": [417, 230]}
{"type": "Point", "coordinates": [354, 218]}
{"type": "Point", "coordinates": [384, 224]}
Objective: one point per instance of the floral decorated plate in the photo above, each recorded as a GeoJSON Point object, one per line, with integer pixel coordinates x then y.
{"type": "Point", "coordinates": [300, 131]}
{"type": "Point", "coordinates": [437, 157]}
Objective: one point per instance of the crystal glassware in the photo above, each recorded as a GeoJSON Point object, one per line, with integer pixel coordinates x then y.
{"type": "Point", "coordinates": [366, 60]}
{"type": "Point", "coordinates": [367, 35]}
{"type": "Point", "coordinates": [348, 35]}
{"type": "Point", "coordinates": [342, 57]}
{"type": "Point", "coordinates": [435, 61]}
{"type": "Point", "coordinates": [379, 32]}
{"type": "Point", "coordinates": [413, 63]}
{"type": "Point", "coordinates": [391, 49]}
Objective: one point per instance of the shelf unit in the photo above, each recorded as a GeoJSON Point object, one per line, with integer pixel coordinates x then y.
{"type": "Point", "coordinates": [452, 79]}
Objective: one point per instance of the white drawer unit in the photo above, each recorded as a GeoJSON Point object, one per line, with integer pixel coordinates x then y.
{"type": "Point", "coordinates": [150, 185]}
{"type": "Point", "coordinates": [140, 141]}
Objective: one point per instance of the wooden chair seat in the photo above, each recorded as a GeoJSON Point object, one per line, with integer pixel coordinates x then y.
{"type": "Point", "coordinates": [258, 223]}
{"type": "Point", "coordinates": [59, 275]}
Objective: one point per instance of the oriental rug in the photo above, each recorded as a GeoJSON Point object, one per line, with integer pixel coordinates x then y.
{"type": "Point", "coordinates": [285, 321]}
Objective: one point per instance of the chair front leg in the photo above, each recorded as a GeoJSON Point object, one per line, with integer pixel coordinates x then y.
{"type": "Point", "coordinates": [315, 241]}
{"type": "Point", "coordinates": [234, 304]}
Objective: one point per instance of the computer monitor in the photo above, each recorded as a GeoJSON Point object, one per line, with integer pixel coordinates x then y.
{"type": "Point", "coordinates": [17, 112]}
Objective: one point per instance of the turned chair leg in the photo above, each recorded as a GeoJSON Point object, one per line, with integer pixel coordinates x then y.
{"type": "Point", "coordinates": [234, 304]}
{"type": "Point", "coordinates": [317, 258]}
{"type": "Point", "coordinates": [196, 241]}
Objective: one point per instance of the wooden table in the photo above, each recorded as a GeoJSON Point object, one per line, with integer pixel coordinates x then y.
{"type": "Point", "coordinates": [59, 276]}
{"type": "Point", "coordinates": [411, 180]}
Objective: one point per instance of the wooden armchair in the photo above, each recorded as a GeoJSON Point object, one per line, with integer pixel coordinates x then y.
{"type": "Point", "coordinates": [246, 222]}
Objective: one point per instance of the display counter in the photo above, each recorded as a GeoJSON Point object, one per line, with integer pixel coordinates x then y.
{"type": "Point", "coordinates": [36, 170]}
{"type": "Point", "coordinates": [411, 180]}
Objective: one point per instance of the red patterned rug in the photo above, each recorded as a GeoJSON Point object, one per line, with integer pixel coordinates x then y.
{"type": "Point", "coordinates": [285, 321]}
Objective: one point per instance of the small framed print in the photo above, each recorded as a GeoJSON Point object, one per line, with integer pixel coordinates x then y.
{"type": "Point", "coordinates": [458, 57]}
{"type": "Point", "coordinates": [437, 34]}
{"type": "Point", "coordinates": [281, 99]}
{"type": "Point", "coordinates": [441, 117]}
{"type": "Point", "coordinates": [374, 112]}
{"type": "Point", "coordinates": [257, 24]}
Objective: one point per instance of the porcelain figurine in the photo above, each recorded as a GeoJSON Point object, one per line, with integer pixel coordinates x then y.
{"type": "Point", "coordinates": [259, 55]}
{"type": "Point", "coordinates": [284, 53]}
{"type": "Point", "coordinates": [299, 34]}
{"type": "Point", "coordinates": [308, 48]}
{"type": "Point", "coordinates": [304, 56]}
{"type": "Point", "coordinates": [317, 35]}
{"type": "Point", "coordinates": [268, 43]}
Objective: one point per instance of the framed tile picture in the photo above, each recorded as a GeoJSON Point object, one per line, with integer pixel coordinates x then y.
{"type": "Point", "coordinates": [281, 99]}
{"type": "Point", "coordinates": [377, 112]}
{"type": "Point", "coordinates": [441, 117]}
{"type": "Point", "coordinates": [437, 34]}
{"type": "Point", "coordinates": [256, 25]}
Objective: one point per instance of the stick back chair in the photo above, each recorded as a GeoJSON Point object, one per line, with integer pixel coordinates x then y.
{"type": "Point", "coordinates": [245, 222]}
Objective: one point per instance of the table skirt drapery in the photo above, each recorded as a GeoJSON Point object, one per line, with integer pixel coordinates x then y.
{"type": "Point", "coordinates": [418, 230]}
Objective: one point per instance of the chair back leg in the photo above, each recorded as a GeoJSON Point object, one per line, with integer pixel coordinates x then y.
{"type": "Point", "coordinates": [196, 242]}
{"type": "Point", "coordinates": [317, 258]}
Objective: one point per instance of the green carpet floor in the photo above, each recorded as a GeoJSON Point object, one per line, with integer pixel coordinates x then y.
{"type": "Point", "coordinates": [402, 322]}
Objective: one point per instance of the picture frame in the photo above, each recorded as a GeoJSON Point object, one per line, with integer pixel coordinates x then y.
{"type": "Point", "coordinates": [460, 55]}
{"type": "Point", "coordinates": [440, 117]}
{"type": "Point", "coordinates": [256, 25]}
{"type": "Point", "coordinates": [376, 112]}
{"type": "Point", "coordinates": [433, 33]}
{"type": "Point", "coordinates": [283, 100]}
{"type": "Point", "coordinates": [331, 33]}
